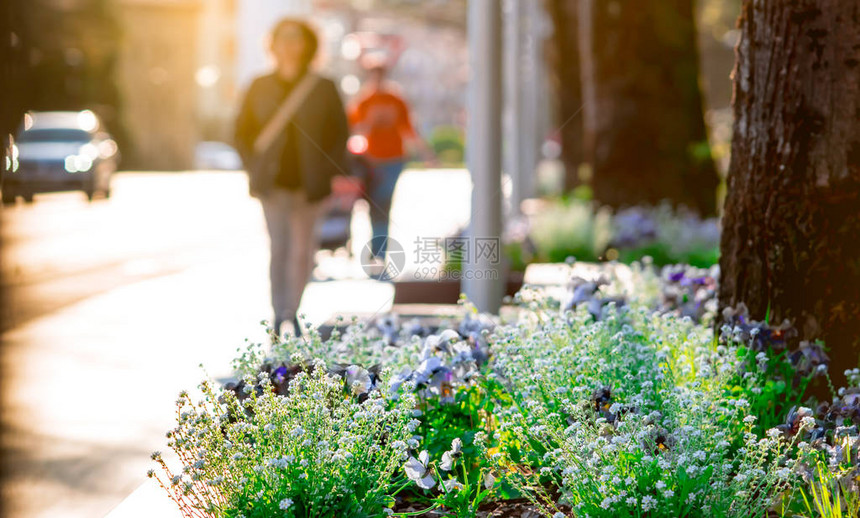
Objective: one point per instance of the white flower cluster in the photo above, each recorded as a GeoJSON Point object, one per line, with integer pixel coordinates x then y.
{"type": "Point", "coordinates": [269, 454]}
{"type": "Point", "coordinates": [631, 413]}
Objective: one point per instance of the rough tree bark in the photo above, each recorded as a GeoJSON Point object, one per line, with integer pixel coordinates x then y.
{"type": "Point", "coordinates": [644, 128]}
{"type": "Point", "coordinates": [791, 231]}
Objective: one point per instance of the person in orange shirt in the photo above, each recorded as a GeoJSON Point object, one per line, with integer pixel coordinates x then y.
{"type": "Point", "coordinates": [381, 116]}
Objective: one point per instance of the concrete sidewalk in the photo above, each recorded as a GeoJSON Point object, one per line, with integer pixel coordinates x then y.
{"type": "Point", "coordinates": [90, 389]}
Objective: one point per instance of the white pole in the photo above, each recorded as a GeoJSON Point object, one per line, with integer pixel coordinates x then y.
{"type": "Point", "coordinates": [483, 277]}
{"type": "Point", "coordinates": [534, 98]}
{"type": "Point", "coordinates": [513, 73]}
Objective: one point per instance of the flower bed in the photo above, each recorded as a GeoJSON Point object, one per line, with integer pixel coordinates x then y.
{"type": "Point", "coordinates": [609, 402]}
{"type": "Point", "coordinates": [558, 229]}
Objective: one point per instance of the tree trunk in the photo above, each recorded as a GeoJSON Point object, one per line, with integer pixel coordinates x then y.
{"type": "Point", "coordinates": [791, 231]}
{"type": "Point", "coordinates": [564, 59]}
{"type": "Point", "coordinates": [644, 128]}
{"type": "Point", "coordinates": [14, 46]}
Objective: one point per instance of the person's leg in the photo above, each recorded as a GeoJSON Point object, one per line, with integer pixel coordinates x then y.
{"type": "Point", "coordinates": [276, 211]}
{"type": "Point", "coordinates": [380, 202]}
{"type": "Point", "coordinates": [304, 229]}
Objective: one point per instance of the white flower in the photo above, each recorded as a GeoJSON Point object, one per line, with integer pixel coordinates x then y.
{"type": "Point", "coordinates": [489, 481]}
{"type": "Point", "coordinates": [452, 455]}
{"type": "Point", "coordinates": [398, 379]}
{"type": "Point", "coordinates": [358, 380]}
{"type": "Point", "coordinates": [648, 503]}
{"type": "Point", "coordinates": [285, 504]}
{"type": "Point", "coordinates": [452, 484]}
{"type": "Point", "coordinates": [417, 471]}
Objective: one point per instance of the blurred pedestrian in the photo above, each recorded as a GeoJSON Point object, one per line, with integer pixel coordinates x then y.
{"type": "Point", "coordinates": [381, 116]}
{"type": "Point", "coordinates": [291, 132]}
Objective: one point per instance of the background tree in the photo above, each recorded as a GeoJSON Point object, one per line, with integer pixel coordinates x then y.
{"type": "Point", "coordinates": [644, 128]}
{"type": "Point", "coordinates": [563, 57]}
{"type": "Point", "coordinates": [64, 58]}
{"type": "Point", "coordinates": [13, 62]}
{"type": "Point", "coordinates": [791, 230]}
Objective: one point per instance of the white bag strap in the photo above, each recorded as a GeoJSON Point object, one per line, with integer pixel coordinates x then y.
{"type": "Point", "coordinates": [286, 111]}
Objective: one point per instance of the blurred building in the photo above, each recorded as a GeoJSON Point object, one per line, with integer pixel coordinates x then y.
{"type": "Point", "coordinates": [254, 19]}
{"type": "Point", "coordinates": [431, 63]}
{"type": "Point", "coordinates": [156, 77]}
{"type": "Point", "coordinates": [216, 74]}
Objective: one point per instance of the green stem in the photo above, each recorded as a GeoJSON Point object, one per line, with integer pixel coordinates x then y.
{"type": "Point", "coordinates": [401, 488]}
{"type": "Point", "coordinates": [418, 513]}
{"type": "Point", "coordinates": [478, 492]}
{"type": "Point", "coordinates": [441, 481]}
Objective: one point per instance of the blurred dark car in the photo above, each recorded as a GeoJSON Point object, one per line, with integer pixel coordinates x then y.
{"type": "Point", "coordinates": [60, 151]}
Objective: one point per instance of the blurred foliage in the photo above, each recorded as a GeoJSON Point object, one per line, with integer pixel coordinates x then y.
{"type": "Point", "coordinates": [717, 20]}
{"type": "Point", "coordinates": [717, 38]}
{"type": "Point", "coordinates": [448, 143]}
{"type": "Point", "coordinates": [717, 17]}
{"type": "Point", "coordinates": [575, 227]}
{"type": "Point", "coordinates": [570, 227]}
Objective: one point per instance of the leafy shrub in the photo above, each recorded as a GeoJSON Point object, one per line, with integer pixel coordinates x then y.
{"type": "Point", "coordinates": [317, 451]}
{"type": "Point", "coordinates": [573, 227]}
{"type": "Point", "coordinates": [629, 416]}
{"type": "Point", "coordinates": [569, 228]}
{"type": "Point", "coordinates": [665, 235]}
{"type": "Point", "coordinates": [831, 493]}
{"type": "Point", "coordinates": [448, 144]}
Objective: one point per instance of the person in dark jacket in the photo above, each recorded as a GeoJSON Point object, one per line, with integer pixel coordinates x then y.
{"type": "Point", "coordinates": [299, 163]}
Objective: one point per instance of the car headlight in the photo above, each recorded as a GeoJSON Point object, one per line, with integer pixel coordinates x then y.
{"type": "Point", "coordinates": [78, 163]}
{"type": "Point", "coordinates": [90, 151]}
{"type": "Point", "coordinates": [12, 160]}
{"type": "Point", "coordinates": [107, 148]}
